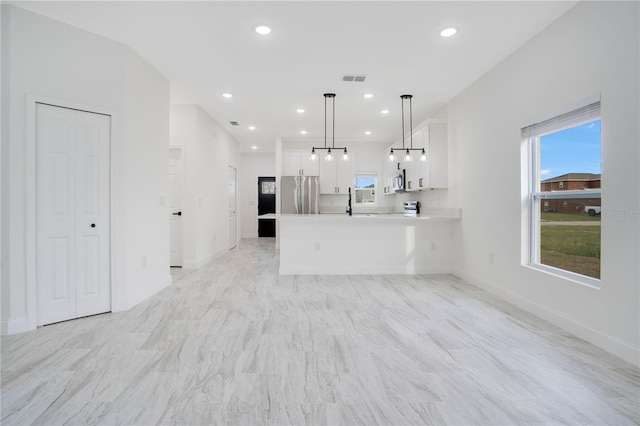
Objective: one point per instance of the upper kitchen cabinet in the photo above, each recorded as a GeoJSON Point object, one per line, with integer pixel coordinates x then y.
{"type": "Point", "coordinates": [432, 173]}
{"type": "Point", "coordinates": [299, 163]}
{"type": "Point", "coordinates": [417, 171]}
{"type": "Point", "coordinates": [336, 177]}
{"type": "Point", "coordinates": [438, 155]}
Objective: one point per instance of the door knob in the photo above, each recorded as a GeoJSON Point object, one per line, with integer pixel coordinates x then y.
{"type": "Point", "coordinates": [177, 214]}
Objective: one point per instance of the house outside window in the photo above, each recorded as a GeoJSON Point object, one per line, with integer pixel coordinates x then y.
{"type": "Point", "coordinates": [564, 195]}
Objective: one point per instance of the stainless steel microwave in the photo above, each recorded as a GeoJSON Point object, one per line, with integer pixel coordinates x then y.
{"type": "Point", "coordinates": [399, 180]}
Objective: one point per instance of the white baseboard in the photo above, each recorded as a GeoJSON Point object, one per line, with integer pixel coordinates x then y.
{"type": "Point", "coordinates": [133, 299]}
{"type": "Point", "coordinates": [14, 326]}
{"type": "Point", "coordinates": [610, 344]}
{"type": "Point", "coordinates": [122, 304]}
{"type": "Point", "coordinates": [360, 270]}
{"type": "Point", "coordinates": [199, 263]}
{"type": "Point", "coordinates": [253, 235]}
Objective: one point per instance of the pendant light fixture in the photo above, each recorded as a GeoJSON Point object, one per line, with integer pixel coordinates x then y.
{"type": "Point", "coordinates": [330, 154]}
{"type": "Point", "coordinates": [407, 151]}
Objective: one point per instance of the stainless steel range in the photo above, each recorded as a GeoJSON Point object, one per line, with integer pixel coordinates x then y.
{"type": "Point", "coordinates": [412, 208]}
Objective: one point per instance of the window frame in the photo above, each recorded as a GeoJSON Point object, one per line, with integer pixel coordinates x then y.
{"type": "Point", "coordinates": [373, 175]}
{"type": "Point", "coordinates": [535, 198]}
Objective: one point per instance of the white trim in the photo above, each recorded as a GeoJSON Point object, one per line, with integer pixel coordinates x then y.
{"type": "Point", "coordinates": [611, 344]}
{"type": "Point", "coordinates": [30, 187]}
{"type": "Point", "coordinates": [531, 139]}
{"type": "Point", "coordinates": [183, 157]}
{"type": "Point", "coordinates": [358, 270]}
{"type": "Point", "coordinates": [14, 325]}
{"type": "Point", "coordinates": [560, 110]}
{"type": "Point", "coordinates": [199, 263]}
{"type": "Point", "coordinates": [252, 235]}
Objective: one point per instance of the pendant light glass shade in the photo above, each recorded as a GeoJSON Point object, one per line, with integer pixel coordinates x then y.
{"type": "Point", "coordinates": [423, 156]}
{"type": "Point", "coordinates": [345, 155]}
{"type": "Point", "coordinates": [313, 154]}
{"type": "Point", "coordinates": [392, 156]}
{"type": "Point", "coordinates": [407, 155]}
{"type": "Point", "coordinates": [329, 156]}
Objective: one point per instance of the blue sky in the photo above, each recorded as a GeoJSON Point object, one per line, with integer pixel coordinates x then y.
{"type": "Point", "coordinates": [364, 182]}
{"type": "Point", "coordinates": [573, 150]}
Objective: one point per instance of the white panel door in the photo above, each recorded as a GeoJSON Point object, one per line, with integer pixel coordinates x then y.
{"type": "Point", "coordinates": [72, 214]}
{"type": "Point", "coordinates": [232, 207]}
{"type": "Point", "coordinates": [175, 205]}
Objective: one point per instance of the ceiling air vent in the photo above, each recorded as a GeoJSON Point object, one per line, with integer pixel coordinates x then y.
{"type": "Point", "coordinates": [234, 123]}
{"type": "Point", "coordinates": [354, 77]}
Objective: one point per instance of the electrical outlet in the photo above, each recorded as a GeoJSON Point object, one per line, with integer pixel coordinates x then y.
{"type": "Point", "coordinates": [144, 261]}
{"type": "Point", "coordinates": [433, 245]}
{"type": "Point", "coordinates": [491, 258]}
{"type": "Point", "coordinates": [317, 246]}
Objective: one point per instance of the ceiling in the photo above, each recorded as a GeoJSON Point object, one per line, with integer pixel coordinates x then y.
{"type": "Point", "coordinates": [206, 48]}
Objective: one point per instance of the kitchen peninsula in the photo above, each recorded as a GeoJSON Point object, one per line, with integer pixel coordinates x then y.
{"type": "Point", "coordinates": [329, 244]}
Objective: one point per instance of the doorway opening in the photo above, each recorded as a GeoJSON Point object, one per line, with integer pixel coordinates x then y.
{"type": "Point", "coordinates": [266, 206]}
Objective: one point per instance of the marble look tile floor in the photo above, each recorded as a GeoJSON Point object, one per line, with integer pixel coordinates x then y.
{"type": "Point", "coordinates": [234, 343]}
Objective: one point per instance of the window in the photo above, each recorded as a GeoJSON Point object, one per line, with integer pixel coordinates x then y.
{"type": "Point", "coordinates": [365, 188]}
{"type": "Point", "coordinates": [564, 220]}
{"type": "Point", "coordinates": [268, 187]}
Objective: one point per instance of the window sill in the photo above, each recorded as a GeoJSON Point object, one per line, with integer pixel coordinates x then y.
{"type": "Point", "coordinates": [566, 275]}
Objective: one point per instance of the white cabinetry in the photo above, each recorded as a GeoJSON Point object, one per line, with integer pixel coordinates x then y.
{"type": "Point", "coordinates": [295, 163]}
{"type": "Point", "coordinates": [417, 171]}
{"type": "Point", "coordinates": [438, 156]}
{"type": "Point", "coordinates": [390, 168]}
{"type": "Point", "coordinates": [429, 174]}
{"type": "Point", "coordinates": [336, 177]}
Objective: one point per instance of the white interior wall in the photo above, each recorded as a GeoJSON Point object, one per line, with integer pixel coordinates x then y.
{"type": "Point", "coordinates": [208, 152]}
{"type": "Point", "coordinates": [590, 50]}
{"type": "Point", "coordinates": [253, 165]}
{"type": "Point", "coordinates": [144, 182]}
{"type": "Point", "coordinates": [46, 58]}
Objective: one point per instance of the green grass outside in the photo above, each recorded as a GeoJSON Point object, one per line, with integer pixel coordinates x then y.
{"type": "Point", "coordinates": [568, 217]}
{"type": "Point", "coordinates": [573, 248]}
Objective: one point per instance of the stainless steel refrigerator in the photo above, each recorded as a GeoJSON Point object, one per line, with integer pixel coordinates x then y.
{"type": "Point", "coordinates": [299, 194]}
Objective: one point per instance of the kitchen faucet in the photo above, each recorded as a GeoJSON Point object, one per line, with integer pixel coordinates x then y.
{"type": "Point", "coordinates": [349, 210]}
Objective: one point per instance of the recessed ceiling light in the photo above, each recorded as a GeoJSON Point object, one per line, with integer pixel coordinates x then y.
{"type": "Point", "coordinates": [227, 95]}
{"type": "Point", "coordinates": [299, 110]}
{"type": "Point", "coordinates": [254, 147]}
{"type": "Point", "coordinates": [303, 132]}
{"type": "Point", "coordinates": [385, 111]}
{"type": "Point", "coordinates": [263, 29]}
{"type": "Point", "coordinates": [252, 127]}
{"type": "Point", "coordinates": [368, 95]}
{"type": "Point", "coordinates": [448, 32]}
{"type": "Point", "coordinates": [367, 132]}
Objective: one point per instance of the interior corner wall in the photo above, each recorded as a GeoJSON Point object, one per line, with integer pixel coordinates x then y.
{"type": "Point", "coordinates": [209, 151]}
{"type": "Point", "coordinates": [144, 172]}
{"type": "Point", "coordinates": [253, 165]}
{"type": "Point", "coordinates": [46, 58]}
{"type": "Point", "coordinates": [592, 49]}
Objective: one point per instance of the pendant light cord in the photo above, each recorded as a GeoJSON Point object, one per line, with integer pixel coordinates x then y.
{"type": "Point", "coordinates": [333, 122]}
{"type": "Point", "coordinates": [402, 122]}
{"type": "Point", "coordinates": [325, 121]}
{"type": "Point", "coordinates": [411, 122]}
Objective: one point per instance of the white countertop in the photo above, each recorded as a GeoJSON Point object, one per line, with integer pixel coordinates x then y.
{"type": "Point", "coordinates": [450, 214]}
{"type": "Point", "coordinates": [267, 216]}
